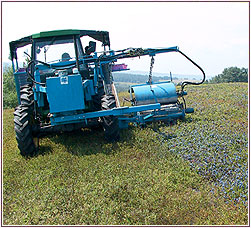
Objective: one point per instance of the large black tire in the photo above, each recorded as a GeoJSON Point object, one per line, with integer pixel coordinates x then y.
{"type": "Point", "coordinates": [23, 129]}
{"type": "Point", "coordinates": [26, 96]}
{"type": "Point", "coordinates": [97, 98]}
{"type": "Point", "coordinates": [110, 123]}
{"type": "Point", "coordinates": [23, 122]}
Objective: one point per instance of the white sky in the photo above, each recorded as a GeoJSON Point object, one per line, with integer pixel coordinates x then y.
{"type": "Point", "coordinates": [213, 34]}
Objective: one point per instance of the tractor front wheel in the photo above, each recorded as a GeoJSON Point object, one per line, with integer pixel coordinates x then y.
{"type": "Point", "coordinates": [23, 129]}
{"type": "Point", "coordinates": [110, 123]}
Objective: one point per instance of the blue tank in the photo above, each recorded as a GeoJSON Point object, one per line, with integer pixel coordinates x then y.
{"type": "Point", "coordinates": [162, 92]}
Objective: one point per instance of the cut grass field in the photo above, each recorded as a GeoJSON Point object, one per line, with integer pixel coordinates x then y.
{"type": "Point", "coordinates": [159, 175]}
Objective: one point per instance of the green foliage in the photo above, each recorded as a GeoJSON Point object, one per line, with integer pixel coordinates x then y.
{"type": "Point", "coordinates": [9, 89]}
{"type": "Point", "coordinates": [145, 179]}
{"type": "Point", "coordinates": [231, 74]}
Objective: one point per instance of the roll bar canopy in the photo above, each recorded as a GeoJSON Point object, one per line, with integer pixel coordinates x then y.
{"type": "Point", "coordinates": [101, 36]}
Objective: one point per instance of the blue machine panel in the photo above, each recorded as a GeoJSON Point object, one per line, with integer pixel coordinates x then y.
{"type": "Point", "coordinates": [65, 93]}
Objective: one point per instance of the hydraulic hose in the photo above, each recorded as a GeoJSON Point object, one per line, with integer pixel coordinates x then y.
{"type": "Point", "coordinates": [134, 52]}
{"type": "Point", "coordinates": [183, 84]}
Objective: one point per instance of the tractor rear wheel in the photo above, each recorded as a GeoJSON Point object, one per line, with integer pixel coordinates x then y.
{"type": "Point", "coordinates": [110, 123]}
{"type": "Point", "coordinates": [97, 98]}
{"type": "Point", "coordinates": [23, 122]}
{"type": "Point", "coordinates": [23, 129]}
{"type": "Point", "coordinates": [26, 96]}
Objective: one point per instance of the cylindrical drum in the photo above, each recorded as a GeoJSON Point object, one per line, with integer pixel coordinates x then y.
{"type": "Point", "coordinates": [163, 93]}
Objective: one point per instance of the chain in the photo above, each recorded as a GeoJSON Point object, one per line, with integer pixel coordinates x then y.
{"type": "Point", "coordinates": [151, 69]}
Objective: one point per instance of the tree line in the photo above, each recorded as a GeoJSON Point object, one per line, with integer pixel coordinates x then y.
{"type": "Point", "coordinates": [231, 74]}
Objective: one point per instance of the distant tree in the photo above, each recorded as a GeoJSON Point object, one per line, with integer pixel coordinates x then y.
{"type": "Point", "coordinates": [9, 88]}
{"type": "Point", "coordinates": [231, 74]}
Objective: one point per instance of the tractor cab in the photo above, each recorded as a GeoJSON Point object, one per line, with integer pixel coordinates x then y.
{"type": "Point", "coordinates": [56, 52]}
{"type": "Point", "coordinates": [64, 52]}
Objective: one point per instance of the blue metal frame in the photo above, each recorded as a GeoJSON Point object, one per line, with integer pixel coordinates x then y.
{"type": "Point", "coordinates": [56, 119]}
{"type": "Point", "coordinates": [134, 114]}
{"type": "Point", "coordinates": [126, 115]}
{"type": "Point", "coordinates": [76, 109]}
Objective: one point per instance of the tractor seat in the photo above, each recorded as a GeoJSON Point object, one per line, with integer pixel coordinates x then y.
{"type": "Point", "coordinates": [65, 57]}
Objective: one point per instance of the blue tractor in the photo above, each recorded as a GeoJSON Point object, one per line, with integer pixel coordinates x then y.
{"type": "Point", "coordinates": [65, 87]}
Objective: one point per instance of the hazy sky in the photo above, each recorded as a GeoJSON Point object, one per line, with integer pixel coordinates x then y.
{"type": "Point", "coordinates": [215, 35]}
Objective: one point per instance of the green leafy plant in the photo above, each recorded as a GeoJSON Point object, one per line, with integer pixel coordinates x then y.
{"type": "Point", "coordinates": [9, 89]}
